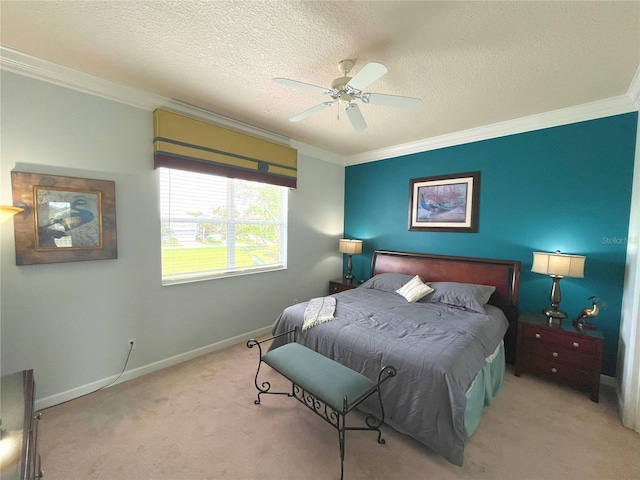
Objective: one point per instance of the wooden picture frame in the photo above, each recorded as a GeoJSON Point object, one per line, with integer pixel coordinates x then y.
{"type": "Point", "coordinates": [65, 219]}
{"type": "Point", "coordinates": [445, 203]}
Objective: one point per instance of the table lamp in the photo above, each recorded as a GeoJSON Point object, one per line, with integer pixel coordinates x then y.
{"type": "Point", "coordinates": [350, 247]}
{"type": "Point", "coordinates": [557, 265]}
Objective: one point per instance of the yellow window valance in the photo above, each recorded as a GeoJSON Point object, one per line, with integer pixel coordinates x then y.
{"type": "Point", "coordinates": [187, 143]}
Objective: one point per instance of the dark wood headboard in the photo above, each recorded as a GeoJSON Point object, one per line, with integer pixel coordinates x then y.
{"type": "Point", "coordinates": [502, 274]}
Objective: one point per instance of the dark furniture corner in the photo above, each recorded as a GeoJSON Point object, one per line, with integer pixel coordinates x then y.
{"type": "Point", "coordinates": [340, 285]}
{"type": "Point", "coordinates": [20, 427]}
{"type": "Point", "coordinates": [562, 354]}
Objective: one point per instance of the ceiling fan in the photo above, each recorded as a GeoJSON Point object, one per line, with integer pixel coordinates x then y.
{"type": "Point", "coordinates": [344, 90]}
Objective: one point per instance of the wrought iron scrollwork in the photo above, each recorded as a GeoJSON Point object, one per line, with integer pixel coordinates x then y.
{"type": "Point", "coordinates": [328, 413]}
{"type": "Point", "coordinates": [317, 405]}
{"type": "Point", "coordinates": [264, 387]}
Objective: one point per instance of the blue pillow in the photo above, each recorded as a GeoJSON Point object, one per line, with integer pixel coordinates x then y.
{"type": "Point", "coordinates": [387, 282]}
{"type": "Point", "coordinates": [466, 295]}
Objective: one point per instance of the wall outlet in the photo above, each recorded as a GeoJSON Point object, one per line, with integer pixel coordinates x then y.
{"type": "Point", "coordinates": [132, 343]}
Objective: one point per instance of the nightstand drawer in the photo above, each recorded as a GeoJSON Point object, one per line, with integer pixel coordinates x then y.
{"type": "Point", "coordinates": [561, 372]}
{"type": "Point", "coordinates": [570, 342]}
{"type": "Point", "coordinates": [559, 354]}
{"type": "Point", "coordinates": [337, 286]}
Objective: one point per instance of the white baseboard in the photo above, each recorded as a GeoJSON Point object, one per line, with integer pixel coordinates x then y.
{"type": "Point", "coordinates": [608, 381]}
{"type": "Point", "coordinates": [62, 397]}
{"type": "Point", "coordinates": [58, 398]}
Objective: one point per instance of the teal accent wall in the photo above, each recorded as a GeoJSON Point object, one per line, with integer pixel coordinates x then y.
{"type": "Point", "coordinates": [565, 188]}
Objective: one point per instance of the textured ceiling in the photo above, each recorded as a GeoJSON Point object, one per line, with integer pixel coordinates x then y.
{"type": "Point", "coordinates": [472, 63]}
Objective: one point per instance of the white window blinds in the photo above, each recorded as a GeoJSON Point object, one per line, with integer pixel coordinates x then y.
{"type": "Point", "coordinates": [216, 226]}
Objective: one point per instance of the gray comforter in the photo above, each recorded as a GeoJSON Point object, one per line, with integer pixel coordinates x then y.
{"type": "Point", "coordinates": [436, 349]}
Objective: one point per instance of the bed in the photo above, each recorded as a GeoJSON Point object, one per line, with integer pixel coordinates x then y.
{"type": "Point", "coordinates": [448, 347]}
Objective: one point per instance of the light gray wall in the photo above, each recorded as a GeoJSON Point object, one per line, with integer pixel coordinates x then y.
{"type": "Point", "coordinates": [70, 322]}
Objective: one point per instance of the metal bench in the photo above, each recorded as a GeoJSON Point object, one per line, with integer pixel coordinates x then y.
{"type": "Point", "coordinates": [326, 387]}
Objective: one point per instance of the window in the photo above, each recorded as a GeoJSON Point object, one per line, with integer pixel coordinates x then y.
{"type": "Point", "coordinates": [217, 227]}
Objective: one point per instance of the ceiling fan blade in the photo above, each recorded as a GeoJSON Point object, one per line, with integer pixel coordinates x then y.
{"type": "Point", "coordinates": [371, 72]}
{"type": "Point", "coordinates": [302, 85]}
{"type": "Point", "coordinates": [355, 116]}
{"type": "Point", "coordinates": [311, 111]}
{"type": "Point", "coordinates": [409, 103]}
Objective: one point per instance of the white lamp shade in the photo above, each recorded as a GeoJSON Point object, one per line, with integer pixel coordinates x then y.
{"type": "Point", "coordinates": [351, 247]}
{"type": "Point", "coordinates": [558, 264]}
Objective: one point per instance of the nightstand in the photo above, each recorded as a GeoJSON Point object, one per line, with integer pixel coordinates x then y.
{"type": "Point", "coordinates": [563, 354]}
{"type": "Point", "coordinates": [340, 285]}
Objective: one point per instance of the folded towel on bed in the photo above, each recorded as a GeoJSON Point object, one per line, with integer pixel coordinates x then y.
{"type": "Point", "coordinates": [319, 310]}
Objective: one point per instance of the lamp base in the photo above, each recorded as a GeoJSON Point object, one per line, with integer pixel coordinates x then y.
{"type": "Point", "coordinates": [554, 316]}
{"type": "Point", "coordinates": [349, 276]}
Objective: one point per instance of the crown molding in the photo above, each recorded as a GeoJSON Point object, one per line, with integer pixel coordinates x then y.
{"type": "Point", "coordinates": [23, 64]}
{"type": "Point", "coordinates": [20, 63]}
{"type": "Point", "coordinates": [555, 118]}
{"type": "Point", "coordinates": [634, 89]}
{"type": "Point", "coordinates": [318, 153]}
{"type": "Point", "coordinates": [26, 65]}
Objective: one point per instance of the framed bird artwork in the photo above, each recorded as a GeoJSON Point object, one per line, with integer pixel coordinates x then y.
{"type": "Point", "coordinates": [445, 203]}
{"type": "Point", "coordinates": [64, 219]}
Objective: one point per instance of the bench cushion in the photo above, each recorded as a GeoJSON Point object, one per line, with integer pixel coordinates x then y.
{"type": "Point", "coordinates": [318, 375]}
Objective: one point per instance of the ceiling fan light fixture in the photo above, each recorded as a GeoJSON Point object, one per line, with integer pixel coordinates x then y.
{"type": "Point", "coordinates": [345, 98]}
{"type": "Point", "coordinates": [345, 90]}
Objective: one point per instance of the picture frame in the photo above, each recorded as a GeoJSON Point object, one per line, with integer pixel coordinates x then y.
{"type": "Point", "coordinates": [64, 219]}
{"type": "Point", "coordinates": [445, 203]}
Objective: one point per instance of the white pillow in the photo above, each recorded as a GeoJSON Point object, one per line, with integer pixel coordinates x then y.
{"type": "Point", "coordinates": [414, 289]}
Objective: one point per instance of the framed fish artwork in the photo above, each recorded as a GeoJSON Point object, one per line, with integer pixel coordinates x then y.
{"type": "Point", "coordinates": [64, 219]}
{"type": "Point", "coordinates": [445, 203]}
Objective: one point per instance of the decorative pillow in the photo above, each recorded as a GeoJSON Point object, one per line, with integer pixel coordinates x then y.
{"type": "Point", "coordinates": [414, 289]}
{"type": "Point", "coordinates": [387, 282]}
{"type": "Point", "coordinates": [467, 295]}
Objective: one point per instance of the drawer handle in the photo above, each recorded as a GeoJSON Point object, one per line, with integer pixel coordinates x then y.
{"type": "Point", "coordinates": [555, 354]}
{"type": "Point", "coordinates": [553, 370]}
{"type": "Point", "coordinates": [537, 335]}
{"type": "Point", "coordinates": [576, 344]}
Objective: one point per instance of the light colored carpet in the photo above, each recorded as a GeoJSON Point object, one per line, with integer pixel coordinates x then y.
{"type": "Point", "coordinates": [197, 420]}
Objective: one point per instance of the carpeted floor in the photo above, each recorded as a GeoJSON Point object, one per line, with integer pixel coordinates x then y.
{"type": "Point", "coordinates": [197, 420]}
